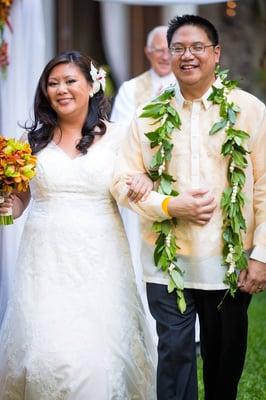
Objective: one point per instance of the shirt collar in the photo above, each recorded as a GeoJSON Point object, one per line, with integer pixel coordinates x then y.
{"type": "Point", "coordinates": [204, 99]}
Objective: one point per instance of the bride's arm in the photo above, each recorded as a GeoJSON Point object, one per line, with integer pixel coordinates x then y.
{"type": "Point", "coordinates": [17, 201]}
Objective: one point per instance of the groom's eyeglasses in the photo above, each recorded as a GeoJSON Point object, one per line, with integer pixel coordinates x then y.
{"type": "Point", "coordinates": [195, 49]}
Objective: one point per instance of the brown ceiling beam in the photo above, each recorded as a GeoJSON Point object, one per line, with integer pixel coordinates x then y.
{"type": "Point", "coordinates": [142, 20]}
{"type": "Point", "coordinates": [64, 24]}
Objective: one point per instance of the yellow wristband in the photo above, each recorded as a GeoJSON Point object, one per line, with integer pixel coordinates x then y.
{"type": "Point", "coordinates": [165, 205]}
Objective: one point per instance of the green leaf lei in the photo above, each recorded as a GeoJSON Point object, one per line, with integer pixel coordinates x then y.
{"type": "Point", "coordinates": [167, 119]}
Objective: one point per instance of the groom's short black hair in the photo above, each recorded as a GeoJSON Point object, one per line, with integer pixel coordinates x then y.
{"type": "Point", "coordinates": [195, 20]}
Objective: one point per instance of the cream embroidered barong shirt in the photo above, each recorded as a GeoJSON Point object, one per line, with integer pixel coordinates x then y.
{"type": "Point", "coordinates": [197, 163]}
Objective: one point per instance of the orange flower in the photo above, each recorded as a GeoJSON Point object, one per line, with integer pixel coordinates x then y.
{"type": "Point", "coordinates": [5, 6]}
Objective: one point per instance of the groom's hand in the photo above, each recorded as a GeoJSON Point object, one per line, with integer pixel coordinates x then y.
{"type": "Point", "coordinates": [193, 205]}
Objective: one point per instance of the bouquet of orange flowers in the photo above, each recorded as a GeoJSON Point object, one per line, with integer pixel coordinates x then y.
{"type": "Point", "coordinates": [17, 168]}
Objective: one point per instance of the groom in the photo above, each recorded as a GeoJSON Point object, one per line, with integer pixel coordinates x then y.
{"type": "Point", "coordinates": [201, 174]}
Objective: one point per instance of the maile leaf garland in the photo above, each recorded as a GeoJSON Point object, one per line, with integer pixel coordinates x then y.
{"type": "Point", "coordinates": [165, 253]}
{"type": "Point", "coordinates": [233, 199]}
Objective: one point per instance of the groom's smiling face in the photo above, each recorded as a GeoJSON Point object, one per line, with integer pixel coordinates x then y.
{"type": "Point", "coordinates": [191, 69]}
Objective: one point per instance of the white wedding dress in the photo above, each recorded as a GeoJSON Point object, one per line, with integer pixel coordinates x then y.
{"type": "Point", "coordinates": [75, 328]}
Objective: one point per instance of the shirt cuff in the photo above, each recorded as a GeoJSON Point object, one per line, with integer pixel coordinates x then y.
{"type": "Point", "coordinates": [259, 254]}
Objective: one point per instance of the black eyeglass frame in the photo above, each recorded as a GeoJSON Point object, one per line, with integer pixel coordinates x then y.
{"type": "Point", "coordinates": [172, 50]}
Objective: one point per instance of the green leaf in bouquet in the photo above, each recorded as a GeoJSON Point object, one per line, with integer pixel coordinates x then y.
{"type": "Point", "coordinates": [10, 172]}
{"type": "Point", "coordinates": [28, 171]}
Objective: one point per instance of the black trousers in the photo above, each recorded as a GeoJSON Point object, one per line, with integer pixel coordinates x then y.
{"type": "Point", "coordinates": [223, 335]}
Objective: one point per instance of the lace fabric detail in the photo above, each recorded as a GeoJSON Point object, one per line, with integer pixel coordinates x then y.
{"type": "Point", "coordinates": [75, 328]}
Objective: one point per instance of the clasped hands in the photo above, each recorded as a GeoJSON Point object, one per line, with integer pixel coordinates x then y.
{"type": "Point", "coordinates": [194, 205]}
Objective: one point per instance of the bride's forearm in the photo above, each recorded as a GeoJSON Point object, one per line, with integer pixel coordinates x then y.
{"type": "Point", "coordinates": [20, 203]}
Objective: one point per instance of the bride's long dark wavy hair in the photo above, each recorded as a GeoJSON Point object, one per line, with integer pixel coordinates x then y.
{"type": "Point", "coordinates": [41, 131]}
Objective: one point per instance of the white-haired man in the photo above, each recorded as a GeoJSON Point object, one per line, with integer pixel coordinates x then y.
{"type": "Point", "coordinates": [140, 89]}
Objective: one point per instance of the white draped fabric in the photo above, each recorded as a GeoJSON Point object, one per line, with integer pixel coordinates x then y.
{"type": "Point", "coordinates": [27, 57]}
{"type": "Point", "coordinates": [115, 43]}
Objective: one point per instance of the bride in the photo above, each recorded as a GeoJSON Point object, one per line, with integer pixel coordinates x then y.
{"type": "Point", "coordinates": [74, 327]}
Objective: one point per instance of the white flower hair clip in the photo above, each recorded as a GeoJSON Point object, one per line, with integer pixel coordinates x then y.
{"type": "Point", "coordinates": [98, 77]}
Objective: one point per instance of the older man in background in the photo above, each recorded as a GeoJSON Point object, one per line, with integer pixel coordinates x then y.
{"type": "Point", "coordinates": [142, 88]}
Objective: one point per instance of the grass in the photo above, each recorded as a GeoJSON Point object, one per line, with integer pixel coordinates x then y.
{"type": "Point", "coordinates": [252, 385]}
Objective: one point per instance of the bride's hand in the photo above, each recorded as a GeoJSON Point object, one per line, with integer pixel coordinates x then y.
{"type": "Point", "coordinates": [140, 186]}
{"type": "Point", "coordinates": [6, 204]}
